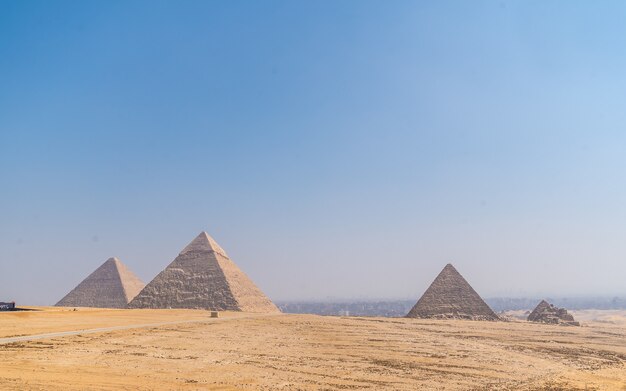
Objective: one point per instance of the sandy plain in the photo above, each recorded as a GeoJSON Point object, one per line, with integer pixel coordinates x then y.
{"type": "Point", "coordinates": [306, 352]}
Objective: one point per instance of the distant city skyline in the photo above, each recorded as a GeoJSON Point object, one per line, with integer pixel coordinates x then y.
{"type": "Point", "coordinates": [342, 150]}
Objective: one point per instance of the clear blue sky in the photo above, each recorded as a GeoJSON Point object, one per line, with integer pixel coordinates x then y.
{"type": "Point", "coordinates": [334, 149]}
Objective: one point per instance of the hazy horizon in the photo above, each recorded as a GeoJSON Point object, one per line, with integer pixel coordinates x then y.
{"type": "Point", "coordinates": [343, 150]}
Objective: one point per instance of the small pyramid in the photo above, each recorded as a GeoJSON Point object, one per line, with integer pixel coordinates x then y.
{"type": "Point", "coordinates": [203, 276]}
{"type": "Point", "coordinates": [539, 309]}
{"type": "Point", "coordinates": [451, 297]}
{"type": "Point", "coordinates": [112, 285]}
{"type": "Point", "coordinates": [548, 313]}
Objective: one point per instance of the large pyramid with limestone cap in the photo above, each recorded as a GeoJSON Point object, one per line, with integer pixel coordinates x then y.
{"type": "Point", "coordinates": [112, 285]}
{"type": "Point", "coordinates": [451, 297]}
{"type": "Point", "coordinates": [203, 276]}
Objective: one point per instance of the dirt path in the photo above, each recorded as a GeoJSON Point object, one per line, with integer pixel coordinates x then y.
{"type": "Point", "coordinates": [25, 338]}
{"type": "Point", "coordinates": [33, 337]}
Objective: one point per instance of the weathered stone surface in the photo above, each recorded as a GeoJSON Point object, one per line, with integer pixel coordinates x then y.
{"type": "Point", "coordinates": [203, 276]}
{"type": "Point", "coordinates": [451, 297]}
{"type": "Point", "coordinates": [112, 285]}
{"type": "Point", "coordinates": [548, 313]}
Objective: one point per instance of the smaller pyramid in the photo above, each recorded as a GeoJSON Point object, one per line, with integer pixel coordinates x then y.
{"type": "Point", "coordinates": [548, 313]}
{"type": "Point", "coordinates": [539, 309]}
{"type": "Point", "coordinates": [451, 297]}
{"type": "Point", "coordinates": [112, 285]}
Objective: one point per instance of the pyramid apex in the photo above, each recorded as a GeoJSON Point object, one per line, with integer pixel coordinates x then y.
{"type": "Point", "coordinates": [204, 242]}
{"type": "Point", "coordinates": [449, 268]}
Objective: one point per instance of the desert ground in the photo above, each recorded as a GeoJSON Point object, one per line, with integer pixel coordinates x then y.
{"type": "Point", "coordinates": [186, 349]}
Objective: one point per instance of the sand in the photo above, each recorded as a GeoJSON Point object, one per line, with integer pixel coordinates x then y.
{"type": "Point", "coordinates": [306, 352]}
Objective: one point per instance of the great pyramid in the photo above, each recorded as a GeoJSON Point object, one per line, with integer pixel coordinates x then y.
{"type": "Point", "coordinates": [451, 297]}
{"type": "Point", "coordinates": [203, 276]}
{"type": "Point", "coordinates": [548, 313]}
{"type": "Point", "coordinates": [112, 285]}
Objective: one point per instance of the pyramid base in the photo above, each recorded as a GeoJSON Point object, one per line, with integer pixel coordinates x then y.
{"type": "Point", "coordinates": [456, 317]}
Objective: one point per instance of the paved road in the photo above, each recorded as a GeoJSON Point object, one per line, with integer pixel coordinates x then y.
{"type": "Point", "coordinates": [4, 341]}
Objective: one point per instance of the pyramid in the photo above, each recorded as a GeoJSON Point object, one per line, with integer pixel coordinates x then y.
{"type": "Point", "coordinates": [112, 285]}
{"type": "Point", "coordinates": [451, 297]}
{"type": "Point", "coordinates": [203, 276]}
{"type": "Point", "coordinates": [539, 309]}
{"type": "Point", "coordinates": [548, 313]}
